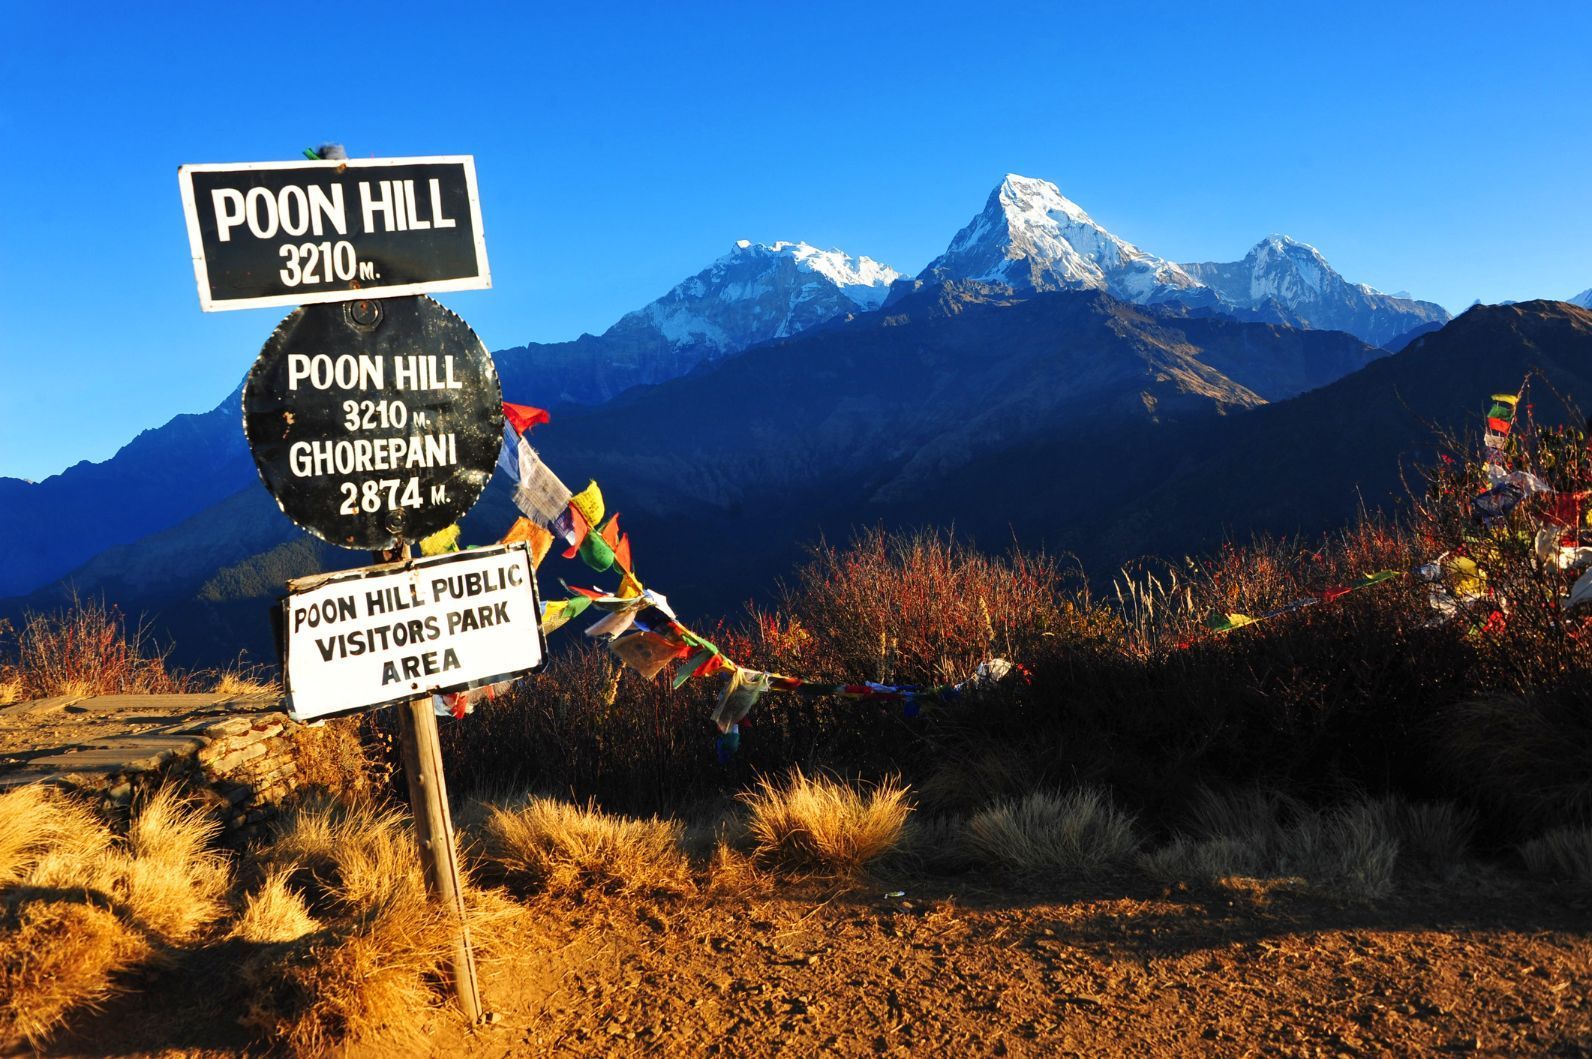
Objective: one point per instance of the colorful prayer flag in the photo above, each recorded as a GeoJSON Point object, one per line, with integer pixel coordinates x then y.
{"type": "Point", "coordinates": [441, 542]}
{"type": "Point", "coordinates": [589, 502]}
{"type": "Point", "coordinates": [538, 538]}
{"type": "Point", "coordinates": [522, 417]}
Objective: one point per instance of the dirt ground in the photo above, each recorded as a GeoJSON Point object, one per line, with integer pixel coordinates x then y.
{"type": "Point", "coordinates": [971, 967]}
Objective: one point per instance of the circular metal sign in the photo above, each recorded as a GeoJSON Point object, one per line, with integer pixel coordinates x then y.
{"type": "Point", "coordinates": [374, 421]}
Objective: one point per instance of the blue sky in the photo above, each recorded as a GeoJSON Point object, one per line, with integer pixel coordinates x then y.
{"type": "Point", "coordinates": [1439, 149]}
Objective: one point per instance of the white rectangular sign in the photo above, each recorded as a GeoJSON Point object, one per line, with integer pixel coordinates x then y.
{"type": "Point", "coordinates": [296, 233]}
{"type": "Point", "coordinates": [383, 634]}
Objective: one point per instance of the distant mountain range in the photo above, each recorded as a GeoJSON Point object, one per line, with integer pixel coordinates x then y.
{"type": "Point", "coordinates": [1028, 238]}
{"type": "Point", "coordinates": [1041, 377]}
{"type": "Point", "coordinates": [753, 294]}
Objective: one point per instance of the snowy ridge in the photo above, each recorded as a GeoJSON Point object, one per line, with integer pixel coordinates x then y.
{"type": "Point", "coordinates": [1031, 236]}
{"type": "Point", "coordinates": [1287, 281]}
{"type": "Point", "coordinates": [759, 292]}
{"type": "Point", "coordinates": [862, 279]}
{"type": "Point", "coordinates": [1584, 299]}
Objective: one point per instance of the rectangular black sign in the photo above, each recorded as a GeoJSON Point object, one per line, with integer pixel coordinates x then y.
{"type": "Point", "coordinates": [294, 233]}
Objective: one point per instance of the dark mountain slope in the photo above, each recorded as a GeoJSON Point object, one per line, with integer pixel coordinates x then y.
{"type": "Point", "coordinates": [154, 482]}
{"type": "Point", "coordinates": [747, 457]}
{"type": "Point", "coordinates": [1298, 465]}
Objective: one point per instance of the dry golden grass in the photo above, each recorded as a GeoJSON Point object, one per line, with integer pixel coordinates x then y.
{"type": "Point", "coordinates": [361, 982]}
{"type": "Point", "coordinates": [368, 974]}
{"type": "Point", "coordinates": [242, 682]}
{"type": "Point", "coordinates": [174, 882]}
{"type": "Point", "coordinates": [274, 913]}
{"type": "Point", "coordinates": [80, 906]}
{"type": "Point", "coordinates": [349, 859]}
{"type": "Point", "coordinates": [816, 824]}
{"type": "Point", "coordinates": [38, 822]}
{"type": "Point", "coordinates": [546, 844]}
{"type": "Point", "coordinates": [1562, 853]}
{"type": "Point", "coordinates": [58, 956]}
{"type": "Point", "coordinates": [1079, 833]}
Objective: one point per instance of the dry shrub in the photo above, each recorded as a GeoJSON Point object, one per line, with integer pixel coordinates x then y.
{"type": "Point", "coordinates": [551, 845]}
{"type": "Point", "coordinates": [1078, 833]}
{"type": "Point", "coordinates": [1562, 853]}
{"type": "Point", "coordinates": [80, 906]}
{"type": "Point", "coordinates": [825, 826]}
{"type": "Point", "coordinates": [341, 758]}
{"type": "Point", "coordinates": [367, 974]}
{"type": "Point", "coordinates": [915, 608]}
{"type": "Point", "coordinates": [87, 649]}
{"type": "Point", "coordinates": [1523, 757]}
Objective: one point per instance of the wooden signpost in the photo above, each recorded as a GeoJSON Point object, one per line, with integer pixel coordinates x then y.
{"type": "Point", "coordinates": [375, 417]}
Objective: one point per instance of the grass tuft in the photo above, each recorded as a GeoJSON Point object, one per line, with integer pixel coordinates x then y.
{"type": "Point", "coordinates": [1354, 851]}
{"type": "Point", "coordinates": [58, 956]}
{"type": "Point", "coordinates": [367, 976]}
{"type": "Point", "coordinates": [825, 826]}
{"type": "Point", "coordinates": [1562, 853]}
{"type": "Point", "coordinates": [1078, 833]}
{"type": "Point", "coordinates": [80, 906]}
{"type": "Point", "coordinates": [274, 913]}
{"type": "Point", "coordinates": [546, 844]}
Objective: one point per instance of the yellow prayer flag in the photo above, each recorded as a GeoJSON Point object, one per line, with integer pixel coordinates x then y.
{"type": "Point", "coordinates": [589, 502]}
{"type": "Point", "coordinates": [441, 542]}
{"type": "Point", "coordinates": [554, 616]}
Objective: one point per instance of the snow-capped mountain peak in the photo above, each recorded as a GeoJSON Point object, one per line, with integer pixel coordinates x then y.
{"type": "Point", "coordinates": [862, 279]}
{"type": "Point", "coordinates": [1032, 237]}
{"type": "Point", "coordinates": [1584, 299]}
{"type": "Point", "coordinates": [758, 292]}
{"type": "Point", "coordinates": [1291, 281]}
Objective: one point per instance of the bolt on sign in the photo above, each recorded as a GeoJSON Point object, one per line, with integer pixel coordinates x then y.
{"type": "Point", "coordinates": [306, 232]}
{"type": "Point", "coordinates": [385, 634]}
{"type": "Point", "coordinates": [374, 421]}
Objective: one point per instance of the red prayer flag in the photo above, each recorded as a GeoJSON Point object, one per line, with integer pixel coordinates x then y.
{"type": "Point", "coordinates": [622, 554]}
{"type": "Point", "coordinates": [610, 531]}
{"type": "Point", "coordinates": [1498, 426]}
{"type": "Point", "coordinates": [1330, 594]}
{"type": "Point", "coordinates": [523, 417]}
{"type": "Point", "coordinates": [581, 529]}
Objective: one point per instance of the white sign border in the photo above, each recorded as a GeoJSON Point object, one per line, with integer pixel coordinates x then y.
{"type": "Point", "coordinates": [481, 281]}
{"type": "Point", "coordinates": [314, 581]}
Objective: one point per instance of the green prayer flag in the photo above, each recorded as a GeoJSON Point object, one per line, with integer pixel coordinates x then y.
{"type": "Point", "coordinates": [696, 662]}
{"type": "Point", "coordinates": [595, 552]}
